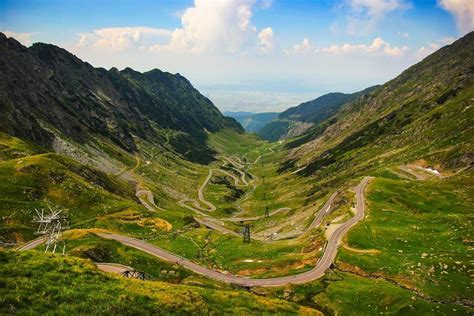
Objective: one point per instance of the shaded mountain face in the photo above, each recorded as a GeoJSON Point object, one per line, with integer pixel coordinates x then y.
{"type": "Point", "coordinates": [321, 108]}
{"type": "Point", "coordinates": [45, 90]}
{"type": "Point", "coordinates": [238, 115]}
{"type": "Point", "coordinates": [424, 114]}
{"type": "Point", "coordinates": [297, 120]}
{"type": "Point", "coordinates": [275, 130]}
{"type": "Point", "coordinates": [253, 122]}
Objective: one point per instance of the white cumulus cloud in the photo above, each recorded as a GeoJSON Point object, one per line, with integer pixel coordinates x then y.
{"type": "Point", "coordinates": [207, 26]}
{"type": "Point", "coordinates": [214, 26]}
{"type": "Point", "coordinates": [121, 38]}
{"type": "Point", "coordinates": [378, 46]}
{"type": "Point", "coordinates": [304, 47]}
{"type": "Point", "coordinates": [463, 12]}
{"type": "Point", "coordinates": [266, 40]}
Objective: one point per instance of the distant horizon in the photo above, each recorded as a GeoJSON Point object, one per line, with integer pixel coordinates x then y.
{"type": "Point", "coordinates": [248, 55]}
{"type": "Point", "coordinates": [296, 97]}
{"type": "Point", "coordinates": [242, 157]}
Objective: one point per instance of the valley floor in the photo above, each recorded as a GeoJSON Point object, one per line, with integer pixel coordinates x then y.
{"type": "Point", "coordinates": [191, 216]}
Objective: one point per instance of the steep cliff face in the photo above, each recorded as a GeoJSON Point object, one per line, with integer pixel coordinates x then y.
{"type": "Point", "coordinates": [45, 90]}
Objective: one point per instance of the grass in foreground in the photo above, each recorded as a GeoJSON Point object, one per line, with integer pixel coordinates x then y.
{"type": "Point", "coordinates": [341, 293]}
{"type": "Point", "coordinates": [34, 283]}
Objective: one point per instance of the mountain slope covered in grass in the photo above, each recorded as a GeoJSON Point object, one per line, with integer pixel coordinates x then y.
{"type": "Point", "coordinates": [35, 289]}
{"type": "Point", "coordinates": [321, 108]}
{"type": "Point", "coordinates": [425, 115]}
{"type": "Point", "coordinates": [297, 120]}
{"type": "Point", "coordinates": [409, 255]}
{"type": "Point", "coordinates": [47, 91]}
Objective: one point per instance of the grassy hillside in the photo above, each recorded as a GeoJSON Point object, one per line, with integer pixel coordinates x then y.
{"type": "Point", "coordinates": [35, 283]}
{"type": "Point", "coordinates": [321, 108]}
{"type": "Point", "coordinates": [273, 131]}
{"type": "Point", "coordinates": [297, 120]}
{"type": "Point", "coordinates": [409, 255]}
{"type": "Point", "coordinates": [93, 199]}
{"type": "Point", "coordinates": [424, 114]}
{"type": "Point", "coordinates": [342, 293]}
{"type": "Point", "coordinates": [421, 231]}
{"type": "Point", "coordinates": [415, 240]}
{"type": "Point", "coordinates": [38, 180]}
{"type": "Point", "coordinates": [367, 278]}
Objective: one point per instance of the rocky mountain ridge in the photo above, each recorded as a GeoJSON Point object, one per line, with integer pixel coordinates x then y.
{"type": "Point", "coordinates": [46, 90]}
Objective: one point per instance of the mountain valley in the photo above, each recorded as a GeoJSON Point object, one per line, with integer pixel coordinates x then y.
{"type": "Point", "coordinates": [349, 202]}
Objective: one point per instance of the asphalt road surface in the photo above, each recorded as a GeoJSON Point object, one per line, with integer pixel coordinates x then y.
{"type": "Point", "coordinates": [323, 264]}
{"type": "Point", "coordinates": [323, 212]}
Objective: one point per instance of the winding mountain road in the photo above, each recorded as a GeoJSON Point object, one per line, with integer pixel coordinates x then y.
{"type": "Point", "coordinates": [318, 271]}
{"type": "Point", "coordinates": [218, 225]}
{"type": "Point", "coordinates": [201, 197]}
{"type": "Point", "coordinates": [410, 171]}
{"type": "Point", "coordinates": [149, 203]}
{"type": "Point", "coordinates": [237, 166]}
{"type": "Point", "coordinates": [258, 158]}
{"type": "Point", "coordinates": [315, 223]}
{"type": "Point", "coordinates": [255, 218]}
{"type": "Point", "coordinates": [31, 244]}
{"type": "Point", "coordinates": [211, 207]}
{"type": "Point", "coordinates": [323, 212]}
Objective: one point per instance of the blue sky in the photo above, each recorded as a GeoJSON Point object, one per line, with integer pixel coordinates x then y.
{"type": "Point", "coordinates": [252, 55]}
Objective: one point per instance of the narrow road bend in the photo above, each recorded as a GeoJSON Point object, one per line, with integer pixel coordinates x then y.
{"type": "Point", "coordinates": [318, 271]}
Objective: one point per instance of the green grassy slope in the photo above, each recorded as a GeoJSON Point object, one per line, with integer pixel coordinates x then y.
{"type": "Point", "coordinates": [310, 112]}
{"type": "Point", "coordinates": [422, 232]}
{"type": "Point", "coordinates": [342, 293]}
{"type": "Point", "coordinates": [274, 130]}
{"type": "Point", "coordinates": [95, 200]}
{"type": "Point", "coordinates": [42, 180]}
{"type": "Point", "coordinates": [410, 255]}
{"type": "Point", "coordinates": [334, 294]}
{"type": "Point", "coordinates": [416, 239]}
{"type": "Point", "coordinates": [424, 114]}
{"type": "Point", "coordinates": [35, 283]}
